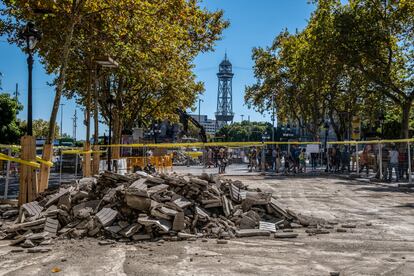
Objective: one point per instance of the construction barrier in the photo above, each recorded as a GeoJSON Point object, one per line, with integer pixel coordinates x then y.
{"type": "Point", "coordinates": [370, 159]}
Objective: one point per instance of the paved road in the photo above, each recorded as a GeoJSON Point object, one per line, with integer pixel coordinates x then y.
{"type": "Point", "coordinates": [385, 248]}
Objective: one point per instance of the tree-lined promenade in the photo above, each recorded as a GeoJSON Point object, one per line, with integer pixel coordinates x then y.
{"type": "Point", "coordinates": [352, 59]}
{"type": "Point", "coordinates": [152, 43]}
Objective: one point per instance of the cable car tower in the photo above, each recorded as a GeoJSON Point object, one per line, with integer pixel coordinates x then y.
{"type": "Point", "coordinates": [224, 113]}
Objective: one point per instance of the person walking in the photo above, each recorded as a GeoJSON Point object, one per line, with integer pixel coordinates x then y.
{"type": "Point", "coordinates": [276, 154]}
{"type": "Point", "coordinates": [393, 164]}
{"type": "Point", "coordinates": [302, 161]}
{"type": "Point", "coordinates": [209, 158]}
{"type": "Point", "coordinates": [402, 162]}
{"type": "Point", "coordinates": [364, 160]}
{"type": "Point", "coordinates": [385, 159]}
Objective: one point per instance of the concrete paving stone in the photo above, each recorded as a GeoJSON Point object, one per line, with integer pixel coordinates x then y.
{"type": "Point", "coordinates": [33, 208]}
{"type": "Point", "coordinates": [106, 216]}
{"type": "Point", "coordinates": [252, 233]}
{"type": "Point", "coordinates": [268, 226]}
{"type": "Point", "coordinates": [51, 226]}
{"type": "Point", "coordinates": [286, 235]}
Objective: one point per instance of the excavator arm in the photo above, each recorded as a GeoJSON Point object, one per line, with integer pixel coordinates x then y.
{"type": "Point", "coordinates": [184, 118]}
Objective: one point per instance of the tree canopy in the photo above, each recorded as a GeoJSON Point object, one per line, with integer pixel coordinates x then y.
{"type": "Point", "coordinates": [244, 131]}
{"type": "Point", "coordinates": [351, 59]}
{"type": "Point", "coordinates": [155, 43]}
{"type": "Point", "coordinates": [10, 130]}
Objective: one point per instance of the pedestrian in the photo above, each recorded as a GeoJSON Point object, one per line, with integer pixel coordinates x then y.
{"type": "Point", "coordinates": [252, 159]}
{"type": "Point", "coordinates": [313, 157]}
{"type": "Point", "coordinates": [402, 162]}
{"type": "Point", "coordinates": [209, 158]}
{"type": "Point", "coordinates": [345, 160]}
{"type": "Point", "coordinates": [276, 157]}
{"type": "Point", "coordinates": [302, 161]}
{"type": "Point", "coordinates": [385, 159]}
{"type": "Point", "coordinates": [393, 164]}
{"type": "Point", "coordinates": [364, 160]}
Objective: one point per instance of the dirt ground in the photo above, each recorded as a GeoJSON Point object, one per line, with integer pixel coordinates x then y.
{"type": "Point", "coordinates": [384, 248]}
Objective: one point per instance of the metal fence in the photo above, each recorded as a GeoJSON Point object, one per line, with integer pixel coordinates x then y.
{"type": "Point", "coordinates": [384, 160]}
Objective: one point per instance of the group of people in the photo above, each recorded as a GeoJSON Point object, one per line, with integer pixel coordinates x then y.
{"type": "Point", "coordinates": [393, 159]}
{"type": "Point", "coordinates": [294, 159]}
{"type": "Point", "coordinates": [217, 157]}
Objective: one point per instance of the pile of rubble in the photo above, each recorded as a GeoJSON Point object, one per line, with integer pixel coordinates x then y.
{"type": "Point", "coordinates": [149, 207]}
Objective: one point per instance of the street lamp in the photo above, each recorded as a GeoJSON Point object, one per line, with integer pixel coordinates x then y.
{"type": "Point", "coordinates": [30, 35]}
{"type": "Point", "coordinates": [326, 126]}
{"type": "Point", "coordinates": [381, 120]}
{"type": "Point", "coordinates": [199, 110]}
{"type": "Point", "coordinates": [156, 131]}
{"type": "Point", "coordinates": [61, 121]}
{"type": "Point", "coordinates": [110, 101]}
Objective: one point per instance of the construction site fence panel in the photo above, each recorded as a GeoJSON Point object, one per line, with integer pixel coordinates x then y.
{"type": "Point", "coordinates": [382, 160]}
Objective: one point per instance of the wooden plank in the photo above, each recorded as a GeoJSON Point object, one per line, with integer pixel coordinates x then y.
{"type": "Point", "coordinates": [86, 168]}
{"type": "Point", "coordinates": [28, 177]}
{"type": "Point", "coordinates": [44, 169]}
{"type": "Point", "coordinates": [96, 159]}
{"type": "Point", "coordinates": [32, 187]}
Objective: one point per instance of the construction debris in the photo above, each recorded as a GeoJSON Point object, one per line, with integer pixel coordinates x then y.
{"type": "Point", "coordinates": [141, 207]}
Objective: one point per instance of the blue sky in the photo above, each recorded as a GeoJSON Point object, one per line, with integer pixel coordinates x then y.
{"type": "Point", "coordinates": [253, 23]}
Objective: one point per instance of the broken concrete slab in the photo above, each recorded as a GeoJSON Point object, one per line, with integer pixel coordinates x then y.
{"type": "Point", "coordinates": [268, 226]}
{"type": "Point", "coordinates": [252, 233]}
{"type": "Point", "coordinates": [33, 209]}
{"type": "Point", "coordinates": [286, 235]}
{"type": "Point", "coordinates": [106, 216]}
{"type": "Point", "coordinates": [51, 226]}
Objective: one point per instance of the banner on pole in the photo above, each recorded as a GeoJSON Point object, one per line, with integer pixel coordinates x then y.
{"type": "Point", "coordinates": [356, 128]}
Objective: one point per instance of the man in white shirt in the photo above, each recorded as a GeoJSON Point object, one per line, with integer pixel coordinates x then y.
{"type": "Point", "coordinates": [393, 163]}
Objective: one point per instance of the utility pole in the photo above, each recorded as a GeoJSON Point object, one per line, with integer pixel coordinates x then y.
{"type": "Point", "coordinates": [199, 110]}
{"type": "Point", "coordinates": [273, 118]}
{"type": "Point", "coordinates": [248, 132]}
{"type": "Point", "coordinates": [242, 116]}
{"type": "Point", "coordinates": [61, 120]}
{"type": "Point", "coordinates": [75, 124]}
{"type": "Point", "coordinates": [16, 93]}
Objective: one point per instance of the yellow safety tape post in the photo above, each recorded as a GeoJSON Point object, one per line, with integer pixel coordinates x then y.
{"type": "Point", "coordinates": [18, 160]}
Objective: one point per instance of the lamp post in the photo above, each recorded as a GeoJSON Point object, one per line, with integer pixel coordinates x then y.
{"type": "Point", "coordinates": [199, 110]}
{"type": "Point", "coordinates": [326, 126]}
{"type": "Point", "coordinates": [155, 132]}
{"type": "Point", "coordinates": [61, 120]}
{"type": "Point", "coordinates": [28, 185]}
{"type": "Point", "coordinates": [110, 101]}
{"type": "Point", "coordinates": [101, 62]}
{"type": "Point", "coordinates": [30, 35]}
{"type": "Point", "coordinates": [381, 120]}
{"type": "Point", "coordinates": [273, 118]}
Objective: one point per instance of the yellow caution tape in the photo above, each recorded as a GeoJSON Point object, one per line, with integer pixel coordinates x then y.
{"type": "Point", "coordinates": [82, 151]}
{"type": "Point", "coordinates": [18, 160]}
{"type": "Point", "coordinates": [13, 147]}
{"type": "Point", "coordinates": [45, 162]}
{"type": "Point", "coordinates": [293, 143]}
{"type": "Point", "coordinates": [371, 142]}
{"type": "Point", "coordinates": [194, 154]}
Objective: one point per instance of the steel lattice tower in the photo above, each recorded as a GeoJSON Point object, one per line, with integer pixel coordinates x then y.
{"type": "Point", "coordinates": [224, 113]}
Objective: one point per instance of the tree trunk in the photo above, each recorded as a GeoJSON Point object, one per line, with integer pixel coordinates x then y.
{"type": "Point", "coordinates": [405, 119]}
{"type": "Point", "coordinates": [48, 149]}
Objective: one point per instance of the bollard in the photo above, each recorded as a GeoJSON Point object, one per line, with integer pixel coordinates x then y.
{"type": "Point", "coordinates": [263, 164]}
{"type": "Point", "coordinates": [6, 185]}
{"type": "Point", "coordinates": [76, 166]}
{"type": "Point", "coordinates": [357, 158]}
{"type": "Point", "coordinates": [409, 163]}
{"type": "Point", "coordinates": [380, 161]}
{"type": "Point", "coordinates": [60, 167]}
